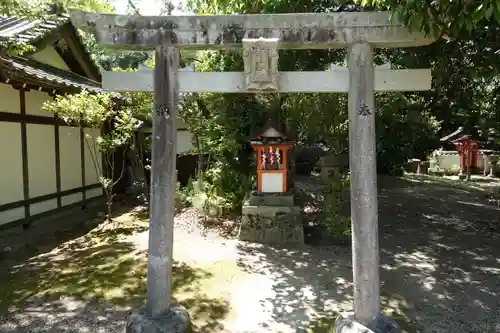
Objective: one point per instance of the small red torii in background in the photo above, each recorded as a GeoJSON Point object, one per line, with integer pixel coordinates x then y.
{"type": "Point", "coordinates": [467, 146]}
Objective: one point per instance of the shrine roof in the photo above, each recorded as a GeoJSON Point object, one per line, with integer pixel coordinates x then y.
{"type": "Point", "coordinates": [461, 134]}
{"type": "Point", "coordinates": [466, 138]}
{"type": "Point", "coordinates": [271, 143]}
{"type": "Point", "coordinates": [271, 130]}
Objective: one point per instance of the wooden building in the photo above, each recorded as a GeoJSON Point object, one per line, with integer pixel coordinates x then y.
{"type": "Point", "coordinates": [45, 163]}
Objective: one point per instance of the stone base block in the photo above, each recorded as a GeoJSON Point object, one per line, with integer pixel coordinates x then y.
{"type": "Point", "coordinates": [346, 323]}
{"type": "Point", "coordinates": [271, 199]}
{"type": "Point", "coordinates": [271, 224]}
{"type": "Point", "coordinates": [175, 321]}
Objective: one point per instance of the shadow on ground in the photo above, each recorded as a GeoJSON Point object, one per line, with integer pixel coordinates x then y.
{"type": "Point", "coordinates": [90, 284]}
{"type": "Point", "coordinates": [307, 285]}
{"type": "Point", "coordinates": [439, 250]}
{"type": "Point", "coordinates": [439, 266]}
{"type": "Point", "coordinates": [47, 233]}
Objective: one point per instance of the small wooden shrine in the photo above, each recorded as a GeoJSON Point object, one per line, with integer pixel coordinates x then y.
{"type": "Point", "coordinates": [270, 214]}
{"type": "Point", "coordinates": [466, 143]}
{"type": "Point", "coordinates": [271, 147]}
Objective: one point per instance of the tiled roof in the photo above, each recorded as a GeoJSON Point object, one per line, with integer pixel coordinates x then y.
{"type": "Point", "coordinates": [15, 67]}
{"type": "Point", "coordinates": [30, 71]}
{"type": "Point", "coordinates": [25, 31]}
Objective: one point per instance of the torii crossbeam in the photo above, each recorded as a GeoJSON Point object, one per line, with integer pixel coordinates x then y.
{"type": "Point", "coordinates": [305, 82]}
{"type": "Point", "coordinates": [359, 33]}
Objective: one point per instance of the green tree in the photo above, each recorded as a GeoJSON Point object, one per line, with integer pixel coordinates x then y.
{"type": "Point", "coordinates": [94, 111]}
{"type": "Point", "coordinates": [442, 17]}
{"type": "Point", "coordinates": [463, 61]}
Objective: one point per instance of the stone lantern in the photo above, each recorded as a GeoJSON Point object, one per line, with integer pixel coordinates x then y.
{"type": "Point", "coordinates": [270, 214]}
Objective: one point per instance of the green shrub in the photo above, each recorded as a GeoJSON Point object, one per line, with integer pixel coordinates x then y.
{"type": "Point", "coordinates": [220, 190]}
{"type": "Point", "coordinates": [180, 198]}
{"type": "Point", "coordinates": [337, 224]}
{"type": "Point", "coordinates": [453, 170]}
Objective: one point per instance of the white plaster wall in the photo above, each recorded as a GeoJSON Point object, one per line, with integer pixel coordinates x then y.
{"type": "Point", "coordinates": [10, 99]}
{"type": "Point", "coordinates": [43, 206]}
{"type": "Point", "coordinates": [71, 198]}
{"type": "Point", "coordinates": [480, 161]}
{"type": "Point", "coordinates": [34, 102]}
{"type": "Point", "coordinates": [69, 143]}
{"type": "Point", "coordinates": [41, 160]}
{"type": "Point", "coordinates": [92, 156]}
{"type": "Point", "coordinates": [180, 124]}
{"type": "Point", "coordinates": [447, 161]}
{"type": "Point", "coordinates": [184, 141]}
{"type": "Point", "coordinates": [49, 56]}
{"type": "Point", "coordinates": [11, 177]}
{"type": "Point", "coordinates": [272, 182]}
{"type": "Point", "coordinates": [95, 192]}
{"type": "Point", "coordinates": [11, 215]}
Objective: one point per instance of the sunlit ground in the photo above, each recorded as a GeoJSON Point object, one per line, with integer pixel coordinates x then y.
{"type": "Point", "coordinates": [101, 267]}
{"type": "Point", "coordinates": [104, 267]}
{"type": "Point", "coordinates": [438, 265]}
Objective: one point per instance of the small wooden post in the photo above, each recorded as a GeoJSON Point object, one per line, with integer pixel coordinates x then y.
{"type": "Point", "coordinates": [163, 181]}
{"type": "Point", "coordinates": [362, 162]}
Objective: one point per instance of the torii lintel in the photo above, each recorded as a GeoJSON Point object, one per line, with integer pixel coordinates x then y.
{"type": "Point", "coordinates": [294, 31]}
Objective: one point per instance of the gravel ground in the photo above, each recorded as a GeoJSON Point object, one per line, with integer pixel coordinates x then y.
{"type": "Point", "coordinates": [439, 271]}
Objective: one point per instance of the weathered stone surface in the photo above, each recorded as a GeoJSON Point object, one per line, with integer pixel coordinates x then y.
{"type": "Point", "coordinates": [271, 224]}
{"type": "Point", "coordinates": [296, 31]}
{"type": "Point", "coordinates": [363, 179]}
{"type": "Point", "coordinates": [163, 180]}
{"type": "Point", "coordinates": [332, 164]}
{"type": "Point", "coordinates": [271, 199]}
{"type": "Point", "coordinates": [260, 58]}
{"type": "Point", "coordinates": [175, 321]}
{"type": "Point", "coordinates": [234, 82]}
{"type": "Point", "coordinates": [347, 324]}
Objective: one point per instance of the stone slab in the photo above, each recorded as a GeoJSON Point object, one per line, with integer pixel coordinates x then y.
{"type": "Point", "coordinates": [271, 199]}
{"type": "Point", "coordinates": [295, 31]}
{"type": "Point", "coordinates": [177, 320]}
{"type": "Point", "coordinates": [346, 323]}
{"type": "Point", "coordinates": [271, 225]}
{"type": "Point", "coordinates": [234, 82]}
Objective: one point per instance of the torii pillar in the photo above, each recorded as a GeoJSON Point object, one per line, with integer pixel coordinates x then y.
{"type": "Point", "coordinates": [359, 33]}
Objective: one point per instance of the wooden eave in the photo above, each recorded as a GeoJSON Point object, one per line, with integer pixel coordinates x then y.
{"type": "Point", "coordinates": [45, 33]}
{"type": "Point", "coordinates": [30, 74]}
{"type": "Point", "coordinates": [70, 35]}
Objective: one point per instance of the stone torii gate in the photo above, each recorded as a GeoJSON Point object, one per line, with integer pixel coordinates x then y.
{"type": "Point", "coordinates": [261, 36]}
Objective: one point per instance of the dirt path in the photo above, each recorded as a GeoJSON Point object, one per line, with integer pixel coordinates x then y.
{"type": "Point", "coordinates": [439, 272]}
{"type": "Point", "coordinates": [269, 289]}
{"type": "Point", "coordinates": [440, 249]}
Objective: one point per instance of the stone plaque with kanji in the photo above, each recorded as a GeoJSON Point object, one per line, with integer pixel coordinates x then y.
{"type": "Point", "coordinates": [261, 63]}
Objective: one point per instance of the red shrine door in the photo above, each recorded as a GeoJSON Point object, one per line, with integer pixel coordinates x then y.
{"type": "Point", "coordinates": [468, 155]}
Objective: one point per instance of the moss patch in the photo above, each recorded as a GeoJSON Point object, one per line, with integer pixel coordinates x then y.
{"type": "Point", "coordinates": [102, 266]}
{"type": "Point", "coordinates": [390, 307]}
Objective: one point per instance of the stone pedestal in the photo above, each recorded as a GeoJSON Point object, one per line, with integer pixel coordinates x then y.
{"type": "Point", "coordinates": [347, 324]}
{"type": "Point", "coordinates": [175, 321]}
{"type": "Point", "coordinates": [271, 199]}
{"type": "Point", "coordinates": [271, 219]}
